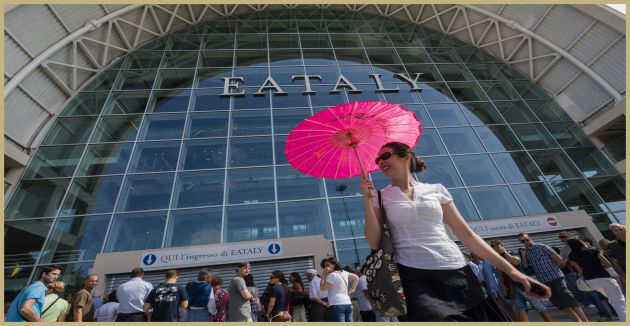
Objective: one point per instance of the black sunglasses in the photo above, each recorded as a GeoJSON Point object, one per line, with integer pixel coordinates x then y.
{"type": "Point", "coordinates": [385, 156]}
{"type": "Point", "coordinates": [523, 241]}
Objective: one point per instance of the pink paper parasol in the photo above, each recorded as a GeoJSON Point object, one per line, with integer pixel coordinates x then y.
{"type": "Point", "coordinates": [343, 141]}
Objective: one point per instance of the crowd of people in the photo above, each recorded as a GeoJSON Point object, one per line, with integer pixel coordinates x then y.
{"type": "Point", "coordinates": [440, 282]}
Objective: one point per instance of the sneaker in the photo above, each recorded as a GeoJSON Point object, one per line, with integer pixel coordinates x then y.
{"type": "Point", "coordinates": [603, 318]}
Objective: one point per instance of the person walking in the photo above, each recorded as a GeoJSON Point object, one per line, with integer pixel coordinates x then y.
{"type": "Point", "coordinates": [201, 302]}
{"type": "Point", "coordinates": [131, 295]}
{"type": "Point", "coordinates": [255, 302]}
{"type": "Point", "coordinates": [365, 307]}
{"type": "Point", "coordinates": [591, 264]}
{"type": "Point", "coordinates": [298, 297]}
{"type": "Point", "coordinates": [55, 307]}
{"type": "Point", "coordinates": [278, 296]}
{"type": "Point", "coordinates": [519, 298]}
{"type": "Point", "coordinates": [437, 282]}
{"type": "Point", "coordinates": [221, 297]}
{"type": "Point", "coordinates": [29, 303]}
{"type": "Point", "coordinates": [166, 298]}
{"type": "Point", "coordinates": [546, 264]}
{"type": "Point", "coordinates": [109, 310]}
{"type": "Point", "coordinates": [319, 298]}
{"type": "Point", "coordinates": [82, 309]}
{"type": "Point", "coordinates": [335, 281]}
{"type": "Point", "coordinates": [238, 306]}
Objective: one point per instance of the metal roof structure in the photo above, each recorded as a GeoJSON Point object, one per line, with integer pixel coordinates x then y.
{"type": "Point", "coordinates": [575, 52]}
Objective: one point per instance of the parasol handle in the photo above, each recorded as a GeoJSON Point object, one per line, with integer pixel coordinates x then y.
{"type": "Point", "coordinates": [363, 174]}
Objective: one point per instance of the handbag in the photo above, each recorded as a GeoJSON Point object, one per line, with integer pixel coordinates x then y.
{"type": "Point", "coordinates": [383, 280]}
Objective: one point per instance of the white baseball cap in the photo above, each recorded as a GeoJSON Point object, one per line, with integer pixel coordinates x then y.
{"type": "Point", "coordinates": [311, 271]}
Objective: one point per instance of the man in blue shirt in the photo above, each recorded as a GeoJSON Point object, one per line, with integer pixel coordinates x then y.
{"type": "Point", "coordinates": [28, 305]}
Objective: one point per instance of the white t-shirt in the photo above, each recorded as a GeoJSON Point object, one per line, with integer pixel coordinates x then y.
{"type": "Point", "coordinates": [364, 302]}
{"type": "Point", "coordinates": [314, 290]}
{"type": "Point", "coordinates": [417, 227]}
{"type": "Point", "coordinates": [338, 294]}
{"type": "Point", "coordinates": [107, 312]}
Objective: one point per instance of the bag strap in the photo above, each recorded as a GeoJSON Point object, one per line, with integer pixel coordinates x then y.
{"type": "Point", "coordinates": [52, 304]}
{"type": "Point", "coordinates": [343, 279]}
{"type": "Point", "coordinates": [382, 207]}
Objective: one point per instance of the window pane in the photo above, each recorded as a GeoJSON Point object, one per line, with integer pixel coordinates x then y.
{"type": "Point", "coordinates": [51, 162]}
{"type": "Point", "coordinates": [105, 159]}
{"type": "Point", "coordinates": [446, 115]}
{"type": "Point", "coordinates": [591, 162]}
{"type": "Point", "coordinates": [440, 169]}
{"type": "Point", "coordinates": [180, 59]}
{"type": "Point", "coordinates": [499, 91]}
{"type": "Point", "coordinates": [568, 134]}
{"type": "Point", "coordinates": [335, 187]}
{"type": "Point", "coordinates": [517, 167]}
{"type": "Point", "coordinates": [169, 101]}
{"type": "Point", "coordinates": [91, 195]}
{"type": "Point", "coordinates": [315, 41]}
{"type": "Point", "coordinates": [314, 57]}
{"type": "Point", "coordinates": [555, 165]}
{"type": "Point", "coordinates": [251, 58]}
{"type": "Point", "coordinates": [102, 82]}
{"type": "Point", "coordinates": [534, 136]}
{"type": "Point", "coordinates": [249, 101]}
{"type": "Point", "coordinates": [23, 241]}
{"type": "Point", "coordinates": [70, 131]}
{"type": "Point", "coordinates": [217, 58]}
{"type": "Point", "coordinates": [208, 124]}
{"type": "Point", "coordinates": [464, 204]}
{"type": "Point", "coordinates": [85, 104]}
{"type": "Point", "coordinates": [578, 195]}
{"type": "Point", "coordinates": [136, 79]}
{"type": "Point", "coordinates": [185, 42]}
{"type": "Point", "coordinates": [175, 78]}
{"type": "Point", "coordinates": [143, 60]}
{"type": "Point", "coordinates": [251, 41]}
{"type": "Point", "coordinates": [75, 239]}
{"type": "Point", "coordinates": [529, 90]}
{"type": "Point", "coordinates": [347, 216]}
{"type": "Point", "coordinates": [467, 91]}
{"type": "Point", "coordinates": [37, 198]}
{"type": "Point", "coordinates": [481, 113]}
{"type": "Point", "coordinates": [498, 138]}
{"type": "Point", "coordinates": [240, 226]}
{"type": "Point", "coordinates": [117, 128]}
{"type": "Point", "coordinates": [612, 190]}
{"type": "Point", "coordinates": [548, 110]}
{"type": "Point", "coordinates": [421, 113]}
{"type": "Point", "coordinates": [294, 98]}
{"type": "Point", "coordinates": [211, 77]}
{"type": "Point", "coordinates": [209, 100]}
{"type": "Point", "coordinates": [285, 120]}
{"type": "Point", "coordinates": [477, 170]}
{"type": "Point", "coordinates": [436, 93]}
{"type": "Point", "coordinates": [193, 227]}
{"type": "Point", "coordinates": [254, 122]}
{"type": "Point", "coordinates": [250, 151]}
{"type": "Point", "coordinates": [15, 279]}
{"type": "Point", "coordinates": [127, 102]}
{"type": "Point", "coordinates": [279, 143]}
{"type": "Point", "coordinates": [136, 231]}
{"type": "Point", "coordinates": [515, 112]}
{"type": "Point", "coordinates": [495, 202]}
{"type": "Point", "coordinates": [430, 143]}
{"type": "Point", "coordinates": [204, 154]}
{"type": "Point", "coordinates": [146, 192]}
{"type": "Point", "coordinates": [537, 198]}
{"type": "Point", "coordinates": [352, 252]}
{"type": "Point", "coordinates": [454, 72]}
{"type": "Point", "coordinates": [195, 189]}
{"type": "Point", "coordinates": [345, 41]}
{"type": "Point", "coordinates": [444, 55]}
{"type": "Point", "coordinates": [485, 71]}
{"type": "Point", "coordinates": [163, 126]}
{"type": "Point", "coordinates": [250, 186]}
{"type": "Point", "coordinates": [155, 156]}
{"type": "Point", "coordinates": [304, 218]}
{"type": "Point", "coordinates": [461, 140]}
{"type": "Point", "coordinates": [293, 184]}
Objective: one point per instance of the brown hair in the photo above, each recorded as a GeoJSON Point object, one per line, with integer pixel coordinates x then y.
{"type": "Point", "coordinates": [416, 165]}
{"type": "Point", "coordinates": [216, 280]}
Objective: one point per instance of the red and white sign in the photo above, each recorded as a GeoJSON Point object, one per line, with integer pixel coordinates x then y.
{"type": "Point", "coordinates": [515, 225]}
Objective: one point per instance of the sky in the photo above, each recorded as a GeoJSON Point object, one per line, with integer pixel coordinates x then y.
{"type": "Point", "coordinates": [619, 7]}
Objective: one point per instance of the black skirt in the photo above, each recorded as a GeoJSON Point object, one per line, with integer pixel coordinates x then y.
{"type": "Point", "coordinates": [447, 295]}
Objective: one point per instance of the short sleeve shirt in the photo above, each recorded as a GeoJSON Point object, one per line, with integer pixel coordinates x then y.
{"type": "Point", "coordinates": [83, 299]}
{"type": "Point", "coordinates": [58, 308]}
{"type": "Point", "coordinates": [591, 265]}
{"type": "Point", "coordinates": [539, 257]}
{"type": "Point", "coordinates": [238, 308]}
{"type": "Point", "coordinates": [281, 293]}
{"type": "Point", "coordinates": [417, 227]}
{"type": "Point", "coordinates": [338, 293]}
{"type": "Point", "coordinates": [314, 291]}
{"type": "Point", "coordinates": [165, 299]}
{"type": "Point", "coordinates": [364, 302]}
{"type": "Point", "coordinates": [35, 291]}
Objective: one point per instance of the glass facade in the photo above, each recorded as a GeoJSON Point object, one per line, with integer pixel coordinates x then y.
{"type": "Point", "coordinates": [149, 154]}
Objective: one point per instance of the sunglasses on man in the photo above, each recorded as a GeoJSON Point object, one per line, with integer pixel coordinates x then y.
{"type": "Point", "coordinates": [524, 240]}
{"type": "Point", "coordinates": [385, 156]}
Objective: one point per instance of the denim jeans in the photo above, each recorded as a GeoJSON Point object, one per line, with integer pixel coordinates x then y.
{"type": "Point", "coordinates": [198, 315]}
{"type": "Point", "coordinates": [342, 312]}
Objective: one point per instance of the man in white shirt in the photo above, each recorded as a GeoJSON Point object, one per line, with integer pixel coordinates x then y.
{"type": "Point", "coordinates": [319, 298]}
{"type": "Point", "coordinates": [365, 308]}
{"type": "Point", "coordinates": [131, 296]}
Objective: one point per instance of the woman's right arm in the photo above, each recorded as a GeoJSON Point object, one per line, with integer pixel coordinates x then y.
{"type": "Point", "coordinates": [373, 220]}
